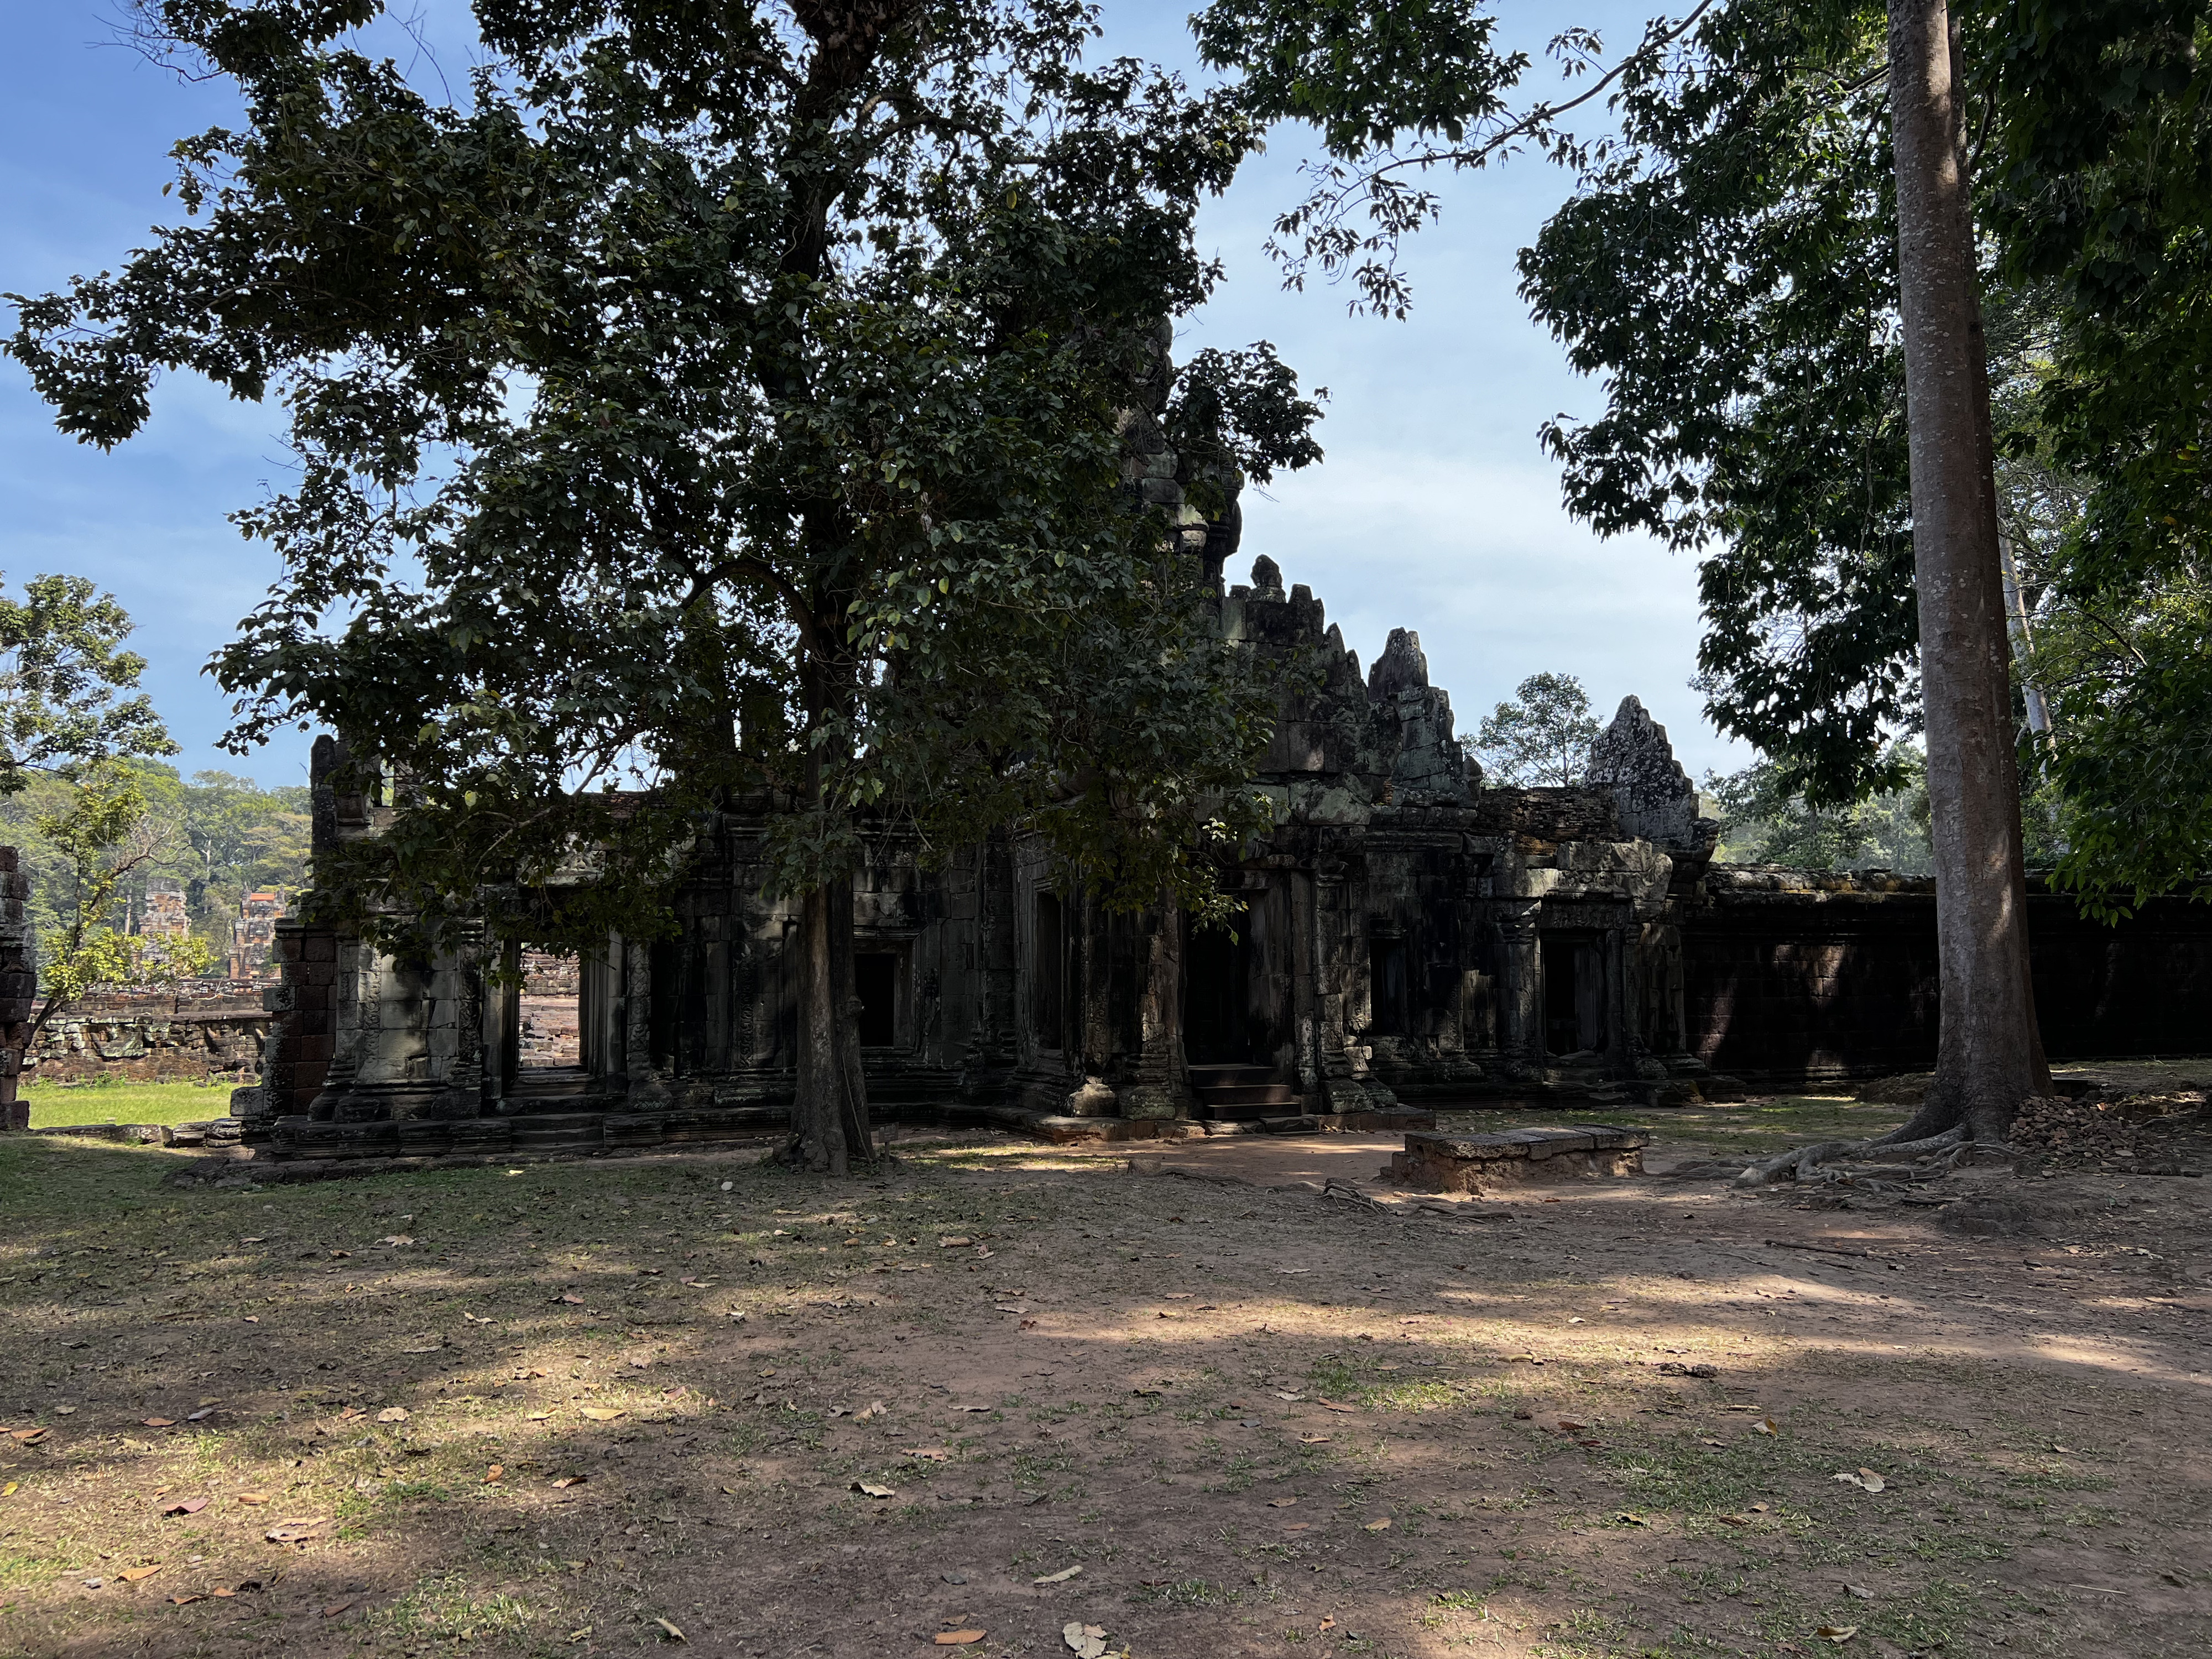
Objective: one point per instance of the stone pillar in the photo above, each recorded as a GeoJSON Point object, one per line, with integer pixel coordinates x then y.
{"type": "Point", "coordinates": [1305, 988]}
{"type": "Point", "coordinates": [988, 1062]}
{"type": "Point", "coordinates": [461, 1022]}
{"type": "Point", "coordinates": [648, 1091]}
{"type": "Point", "coordinates": [18, 989]}
{"type": "Point", "coordinates": [1521, 969]}
{"type": "Point", "coordinates": [1163, 1086]}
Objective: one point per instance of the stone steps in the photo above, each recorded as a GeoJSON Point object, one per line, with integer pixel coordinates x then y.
{"type": "Point", "coordinates": [1227, 1092]}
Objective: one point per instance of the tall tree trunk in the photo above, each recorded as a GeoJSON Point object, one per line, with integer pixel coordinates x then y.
{"type": "Point", "coordinates": [830, 1130]}
{"type": "Point", "coordinates": [1990, 1056]}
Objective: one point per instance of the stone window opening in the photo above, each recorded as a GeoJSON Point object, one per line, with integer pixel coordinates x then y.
{"type": "Point", "coordinates": [877, 981]}
{"type": "Point", "coordinates": [1574, 995]}
{"type": "Point", "coordinates": [1049, 970]}
{"type": "Point", "coordinates": [1389, 1012]}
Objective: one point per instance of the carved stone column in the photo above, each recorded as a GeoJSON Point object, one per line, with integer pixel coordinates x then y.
{"type": "Point", "coordinates": [1521, 967]}
{"type": "Point", "coordinates": [1163, 1086]}
{"type": "Point", "coordinates": [649, 1092]}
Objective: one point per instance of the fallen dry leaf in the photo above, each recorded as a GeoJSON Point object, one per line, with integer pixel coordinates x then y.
{"type": "Point", "coordinates": [252, 1498]}
{"type": "Point", "coordinates": [600, 1413]}
{"type": "Point", "coordinates": [494, 1473]}
{"type": "Point", "coordinates": [537, 1417]}
{"type": "Point", "coordinates": [958, 1639]}
{"type": "Point", "coordinates": [669, 1632]}
{"type": "Point", "coordinates": [1838, 1634]}
{"type": "Point", "coordinates": [953, 1243]}
{"type": "Point", "coordinates": [1765, 1425]}
{"type": "Point", "coordinates": [1060, 1577]}
{"type": "Point", "coordinates": [132, 1575]}
{"type": "Point", "coordinates": [870, 1489]}
{"type": "Point", "coordinates": [295, 1532]}
{"type": "Point", "coordinates": [1329, 1624]}
{"type": "Point", "coordinates": [1282, 1503]}
{"type": "Point", "coordinates": [1330, 1404]}
{"type": "Point", "coordinates": [1383, 1525]}
{"type": "Point", "coordinates": [1084, 1641]}
{"type": "Point", "coordinates": [186, 1598]}
{"type": "Point", "coordinates": [337, 1607]}
{"type": "Point", "coordinates": [159, 1422]}
{"type": "Point", "coordinates": [27, 1436]}
{"type": "Point", "coordinates": [567, 1480]}
{"type": "Point", "coordinates": [186, 1506]}
{"type": "Point", "coordinates": [393, 1414]}
{"type": "Point", "coordinates": [1313, 1440]}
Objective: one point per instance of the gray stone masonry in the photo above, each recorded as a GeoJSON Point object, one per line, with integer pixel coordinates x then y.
{"type": "Point", "coordinates": [1518, 1158]}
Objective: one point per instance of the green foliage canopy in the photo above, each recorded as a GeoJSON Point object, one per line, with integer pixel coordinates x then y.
{"type": "Point", "coordinates": [1729, 269]}
{"type": "Point", "coordinates": [1541, 739]}
{"type": "Point", "coordinates": [69, 693]}
{"type": "Point", "coordinates": [721, 401]}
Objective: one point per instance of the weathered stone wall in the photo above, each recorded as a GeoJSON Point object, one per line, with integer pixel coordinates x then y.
{"type": "Point", "coordinates": [151, 1040]}
{"type": "Point", "coordinates": [1793, 975]}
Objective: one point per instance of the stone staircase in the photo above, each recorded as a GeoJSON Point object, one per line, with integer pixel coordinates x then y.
{"type": "Point", "coordinates": [1230, 1092]}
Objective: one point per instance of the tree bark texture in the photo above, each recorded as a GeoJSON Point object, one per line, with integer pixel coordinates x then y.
{"type": "Point", "coordinates": [829, 1128]}
{"type": "Point", "coordinates": [1990, 1056]}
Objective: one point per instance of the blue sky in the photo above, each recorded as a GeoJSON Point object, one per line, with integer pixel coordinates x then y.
{"type": "Point", "coordinates": [1434, 510]}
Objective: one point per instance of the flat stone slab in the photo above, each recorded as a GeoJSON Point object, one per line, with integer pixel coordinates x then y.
{"type": "Point", "coordinates": [1472, 1163]}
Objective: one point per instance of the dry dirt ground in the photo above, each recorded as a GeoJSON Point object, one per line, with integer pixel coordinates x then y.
{"type": "Point", "coordinates": [1005, 1389]}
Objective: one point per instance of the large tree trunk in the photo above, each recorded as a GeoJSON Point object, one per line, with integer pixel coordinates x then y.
{"type": "Point", "coordinates": [1990, 1056]}
{"type": "Point", "coordinates": [829, 1128]}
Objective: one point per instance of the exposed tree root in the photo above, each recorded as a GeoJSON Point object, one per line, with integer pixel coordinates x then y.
{"type": "Point", "coordinates": [1826, 1161]}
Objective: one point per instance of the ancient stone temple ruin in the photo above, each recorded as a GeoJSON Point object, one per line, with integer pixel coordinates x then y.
{"type": "Point", "coordinates": [1406, 937]}
{"type": "Point", "coordinates": [1409, 938]}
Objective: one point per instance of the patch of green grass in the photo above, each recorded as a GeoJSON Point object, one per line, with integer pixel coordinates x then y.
{"type": "Point", "coordinates": [1187, 1593]}
{"type": "Point", "coordinates": [443, 1610]}
{"type": "Point", "coordinates": [53, 1107]}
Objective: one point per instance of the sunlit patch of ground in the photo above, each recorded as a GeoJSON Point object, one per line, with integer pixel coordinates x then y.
{"type": "Point", "coordinates": [53, 1105]}
{"type": "Point", "coordinates": [512, 1412]}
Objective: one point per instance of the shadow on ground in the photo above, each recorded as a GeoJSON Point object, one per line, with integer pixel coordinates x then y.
{"type": "Point", "coordinates": [511, 1412]}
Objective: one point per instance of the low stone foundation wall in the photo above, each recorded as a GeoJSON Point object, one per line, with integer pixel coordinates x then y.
{"type": "Point", "coordinates": [159, 1040]}
{"type": "Point", "coordinates": [1518, 1158]}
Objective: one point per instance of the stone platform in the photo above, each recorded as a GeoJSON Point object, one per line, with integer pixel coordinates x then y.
{"type": "Point", "coordinates": [1079, 1131]}
{"type": "Point", "coordinates": [1477, 1163]}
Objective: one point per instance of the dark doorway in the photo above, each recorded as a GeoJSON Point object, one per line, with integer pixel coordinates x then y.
{"type": "Point", "coordinates": [875, 981]}
{"type": "Point", "coordinates": [1048, 972]}
{"type": "Point", "coordinates": [1387, 1014]}
{"type": "Point", "coordinates": [1574, 996]}
{"type": "Point", "coordinates": [1217, 971]}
